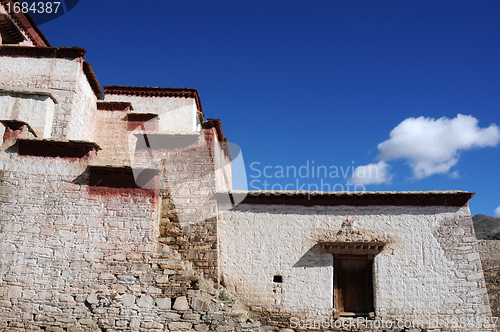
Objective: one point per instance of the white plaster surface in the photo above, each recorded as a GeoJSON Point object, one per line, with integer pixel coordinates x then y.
{"type": "Point", "coordinates": [83, 111]}
{"type": "Point", "coordinates": [35, 110]}
{"type": "Point", "coordinates": [65, 81]}
{"type": "Point", "coordinates": [424, 270]}
{"type": "Point", "coordinates": [175, 114]}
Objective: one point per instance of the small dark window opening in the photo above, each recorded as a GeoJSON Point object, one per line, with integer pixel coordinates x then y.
{"type": "Point", "coordinates": [278, 279]}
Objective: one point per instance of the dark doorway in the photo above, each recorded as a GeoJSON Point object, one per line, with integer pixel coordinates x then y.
{"type": "Point", "coordinates": [353, 285]}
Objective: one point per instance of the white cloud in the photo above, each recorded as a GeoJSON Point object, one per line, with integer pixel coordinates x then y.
{"type": "Point", "coordinates": [454, 175]}
{"type": "Point", "coordinates": [372, 174]}
{"type": "Point", "coordinates": [433, 146]}
{"type": "Point", "coordinates": [497, 212]}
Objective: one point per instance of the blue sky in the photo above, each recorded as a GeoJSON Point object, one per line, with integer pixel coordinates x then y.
{"type": "Point", "coordinates": [299, 83]}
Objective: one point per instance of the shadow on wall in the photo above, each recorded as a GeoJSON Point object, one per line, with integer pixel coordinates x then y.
{"type": "Point", "coordinates": [389, 210]}
{"type": "Point", "coordinates": [315, 257]}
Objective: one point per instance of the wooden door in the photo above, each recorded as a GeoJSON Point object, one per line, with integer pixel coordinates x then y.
{"type": "Point", "coordinates": [353, 289]}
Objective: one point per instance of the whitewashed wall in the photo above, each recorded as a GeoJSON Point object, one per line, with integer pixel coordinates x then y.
{"type": "Point", "coordinates": [431, 265]}
{"type": "Point", "coordinates": [65, 81]}
{"type": "Point", "coordinates": [175, 114]}
{"type": "Point", "coordinates": [36, 110]}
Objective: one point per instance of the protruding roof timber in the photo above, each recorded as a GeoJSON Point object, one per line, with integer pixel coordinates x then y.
{"type": "Point", "coordinates": [25, 22]}
{"type": "Point", "coordinates": [9, 30]}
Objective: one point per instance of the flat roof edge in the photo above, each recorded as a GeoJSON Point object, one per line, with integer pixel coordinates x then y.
{"type": "Point", "coordinates": [371, 198]}
{"type": "Point", "coordinates": [42, 51]}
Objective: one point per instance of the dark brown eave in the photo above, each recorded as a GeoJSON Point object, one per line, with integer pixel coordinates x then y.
{"type": "Point", "coordinates": [55, 148]}
{"type": "Point", "coordinates": [215, 123]}
{"type": "Point", "coordinates": [141, 116]}
{"type": "Point", "coordinates": [94, 83]}
{"type": "Point", "coordinates": [43, 52]}
{"type": "Point", "coordinates": [144, 91]}
{"type": "Point", "coordinates": [16, 124]}
{"type": "Point", "coordinates": [38, 32]}
{"type": "Point", "coordinates": [165, 141]}
{"type": "Point", "coordinates": [352, 248]}
{"type": "Point", "coordinates": [9, 30]}
{"type": "Point", "coordinates": [114, 106]}
{"type": "Point", "coordinates": [25, 22]}
{"type": "Point", "coordinates": [124, 169]}
{"type": "Point", "coordinates": [123, 177]}
{"type": "Point", "coordinates": [303, 198]}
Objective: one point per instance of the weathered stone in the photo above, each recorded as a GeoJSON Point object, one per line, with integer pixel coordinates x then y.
{"type": "Point", "coordinates": [14, 292]}
{"type": "Point", "coordinates": [106, 276]}
{"type": "Point", "coordinates": [145, 301]}
{"type": "Point", "coordinates": [173, 267]}
{"type": "Point", "coordinates": [199, 304]}
{"type": "Point", "coordinates": [201, 327]}
{"type": "Point", "coordinates": [154, 290]}
{"type": "Point", "coordinates": [66, 320]}
{"type": "Point", "coordinates": [128, 300]}
{"type": "Point", "coordinates": [44, 318]}
{"type": "Point", "coordinates": [162, 279]}
{"type": "Point", "coordinates": [86, 322]}
{"type": "Point", "coordinates": [181, 304]}
{"type": "Point", "coordinates": [179, 326]}
{"type": "Point", "coordinates": [151, 325]}
{"type": "Point", "coordinates": [239, 308]}
{"type": "Point", "coordinates": [163, 302]}
{"type": "Point", "coordinates": [92, 298]}
{"type": "Point", "coordinates": [172, 316]}
{"type": "Point", "coordinates": [191, 317]}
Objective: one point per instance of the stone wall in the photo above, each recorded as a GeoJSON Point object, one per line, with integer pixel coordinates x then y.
{"type": "Point", "coordinates": [62, 79]}
{"type": "Point", "coordinates": [77, 259]}
{"type": "Point", "coordinates": [430, 266]}
{"type": "Point", "coordinates": [490, 258]}
{"type": "Point", "coordinates": [188, 219]}
{"type": "Point", "coordinates": [81, 121]}
{"type": "Point", "coordinates": [113, 138]}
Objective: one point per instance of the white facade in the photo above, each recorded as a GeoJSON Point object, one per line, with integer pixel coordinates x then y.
{"type": "Point", "coordinates": [176, 115]}
{"type": "Point", "coordinates": [429, 266]}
